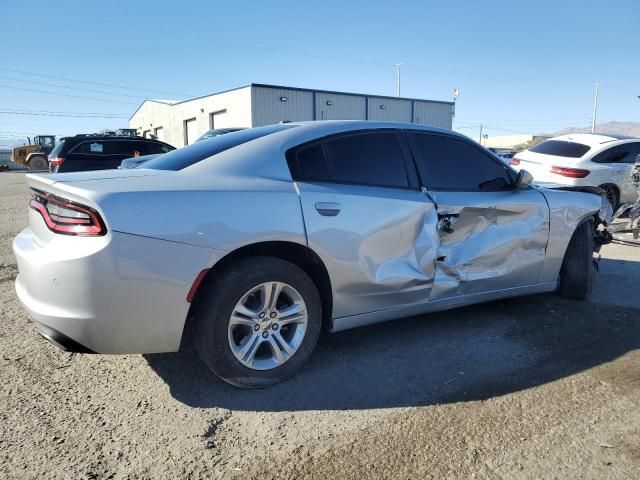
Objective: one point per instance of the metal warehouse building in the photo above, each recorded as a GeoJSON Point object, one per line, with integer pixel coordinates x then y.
{"type": "Point", "coordinates": [181, 123]}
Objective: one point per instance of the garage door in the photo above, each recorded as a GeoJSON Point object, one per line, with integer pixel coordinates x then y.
{"type": "Point", "coordinates": [219, 120]}
{"type": "Point", "coordinates": [190, 131]}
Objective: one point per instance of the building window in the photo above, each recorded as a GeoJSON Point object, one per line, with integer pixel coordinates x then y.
{"type": "Point", "coordinates": [218, 120]}
{"type": "Point", "coordinates": [190, 131]}
{"type": "Point", "coordinates": [145, 133]}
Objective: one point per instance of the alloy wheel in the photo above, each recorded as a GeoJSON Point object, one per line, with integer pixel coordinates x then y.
{"type": "Point", "coordinates": [267, 325]}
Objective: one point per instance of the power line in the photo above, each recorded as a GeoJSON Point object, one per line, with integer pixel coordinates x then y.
{"type": "Point", "coordinates": [71, 88]}
{"type": "Point", "coordinates": [68, 95]}
{"type": "Point", "coordinates": [94, 83]}
{"type": "Point", "coordinates": [2, 112]}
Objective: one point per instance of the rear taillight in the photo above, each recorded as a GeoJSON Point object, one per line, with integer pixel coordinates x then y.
{"type": "Point", "coordinates": [66, 217]}
{"type": "Point", "coordinates": [570, 172]}
{"type": "Point", "coordinates": [55, 162]}
{"type": "Point", "coordinates": [514, 161]}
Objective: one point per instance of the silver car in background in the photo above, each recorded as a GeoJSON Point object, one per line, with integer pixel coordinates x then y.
{"type": "Point", "coordinates": [252, 242]}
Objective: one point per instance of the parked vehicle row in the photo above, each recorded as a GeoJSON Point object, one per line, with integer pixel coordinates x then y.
{"type": "Point", "coordinates": [595, 160]}
{"type": "Point", "coordinates": [254, 241]}
{"type": "Point", "coordinates": [100, 152]}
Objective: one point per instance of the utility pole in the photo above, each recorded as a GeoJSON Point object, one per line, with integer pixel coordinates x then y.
{"type": "Point", "coordinates": [397, 65]}
{"type": "Point", "coordinates": [595, 109]}
{"type": "Point", "coordinates": [480, 138]}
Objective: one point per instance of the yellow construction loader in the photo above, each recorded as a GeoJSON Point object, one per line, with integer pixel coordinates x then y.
{"type": "Point", "coordinates": [34, 155]}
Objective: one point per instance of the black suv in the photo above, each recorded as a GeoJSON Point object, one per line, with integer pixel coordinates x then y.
{"type": "Point", "coordinates": [100, 152]}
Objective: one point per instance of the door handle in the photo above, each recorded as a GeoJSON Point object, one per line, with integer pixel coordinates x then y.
{"type": "Point", "coordinates": [328, 209]}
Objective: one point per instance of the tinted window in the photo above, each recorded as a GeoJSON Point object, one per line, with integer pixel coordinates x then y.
{"type": "Point", "coordinates": [561, 148]}
{"type": "Point", "coordinates": [154, 148]}
{"type": "Point", "coordinates": [198, 151]}
{"type": "Point", "coordinates": [126, 148]}
{"type": "Point", "coordinates": [454, 164]}
{"type": "Point", "coordinates": [625, 153]}
{"type": "Point", "coordinates": [93, 147]}
{"type": "Point", "coordinates": [368, 158]}
{"type": "Point", "coordinates": [57, 149]}
{"type": "Point", "coordinates": [310, 163]}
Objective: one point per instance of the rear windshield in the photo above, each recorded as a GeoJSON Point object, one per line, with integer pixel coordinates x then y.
{"type": "Point", "coordinates": [57, 149]}
{"type": "Point", "coordinates": [196, 152]}
{"type": "Point", "coordinates": [561, 148]}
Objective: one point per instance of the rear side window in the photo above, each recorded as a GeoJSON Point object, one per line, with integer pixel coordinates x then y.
{"type": "Point", "coordinates": [196, 152]}
{"type": "Point", "coordinates": [451, 164]}
{"type": "Point", "coordinates": [371, 158]}
{"type": "Point", "coordinates": [91, 147]}
{"type": "Point", "coordinates": [625, 153]}
{"type": "Point", "coordinates": [57, 149]}
{"type": "Point", "coordinates": [312, 164]}
{"type": "Point", "coordinates": [561, 148]}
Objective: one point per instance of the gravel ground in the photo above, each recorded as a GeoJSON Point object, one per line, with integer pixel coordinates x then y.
{"type": "Point", "coordinates": [535, 387]}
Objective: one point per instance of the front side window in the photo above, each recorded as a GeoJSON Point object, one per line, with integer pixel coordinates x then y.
{"type": "Point", "coordinates": [453, 164]}
{"type": "Point", "coordinates": [154, 148]}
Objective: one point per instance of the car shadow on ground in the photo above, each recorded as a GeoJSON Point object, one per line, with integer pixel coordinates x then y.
{"type": "Point", "coordinates": [465, 354]}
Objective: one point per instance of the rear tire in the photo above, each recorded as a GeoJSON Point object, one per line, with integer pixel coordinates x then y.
{"type": "Point", "coordinates": [38, 163]}
{"type": "Point", "coordinates": [576, 273]}
{"type": "Point", "coordinates": [219, 300]}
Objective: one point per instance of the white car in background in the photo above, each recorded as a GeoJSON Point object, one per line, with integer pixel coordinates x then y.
{"type": "Point", "coordinates": [585, 160]}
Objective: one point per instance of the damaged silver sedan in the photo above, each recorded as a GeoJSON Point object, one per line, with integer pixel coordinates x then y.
{"type": "Point", "coordinates": [251, 243]}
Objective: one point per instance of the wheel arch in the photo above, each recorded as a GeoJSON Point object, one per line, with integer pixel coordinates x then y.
{"type": "Point", "coordinates": [298, 254]}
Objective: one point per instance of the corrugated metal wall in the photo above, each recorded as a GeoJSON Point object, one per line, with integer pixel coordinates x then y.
{"type": "Point", "coordinates": [257, 105]}
{"type": "Point", "coordinates": [269, 107]}
{"type": "Point", "coordinates": [389, 109]}
{"type": "Point", "coordinates": [433, 114]}
{"type": "Point", "coordinates": [332, 106]}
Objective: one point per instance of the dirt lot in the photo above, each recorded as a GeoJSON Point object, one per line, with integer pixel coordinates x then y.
{"type": "Point", "coordinates": [535, 387]}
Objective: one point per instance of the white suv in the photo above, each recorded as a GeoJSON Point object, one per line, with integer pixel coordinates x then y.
{"type": "Point", "coordinates": [604, 161]}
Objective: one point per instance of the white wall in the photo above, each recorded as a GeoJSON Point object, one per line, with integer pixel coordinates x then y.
{"type": "Point", "coordinates": [171, 118]}
{"type": "Point", "coordinates": [253, 106]}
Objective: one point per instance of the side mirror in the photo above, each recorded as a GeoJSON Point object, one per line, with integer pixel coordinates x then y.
{"type": "Point", "coordinates": [523, 179]}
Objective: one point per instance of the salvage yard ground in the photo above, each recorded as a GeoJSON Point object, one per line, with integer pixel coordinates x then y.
{"type": "Point", "coordinates": [535, 387]}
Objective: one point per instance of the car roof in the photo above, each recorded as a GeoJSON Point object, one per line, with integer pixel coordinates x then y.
{"type": "Point", "coordinates": [592, 139]}
{"type": "Point", "coordinates": [81, 136]}
{"type": "Point", "coordinates": [323, 127]}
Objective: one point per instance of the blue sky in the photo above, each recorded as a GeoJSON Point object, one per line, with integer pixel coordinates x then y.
{"type": "Point", "coordinates": [521, 67]}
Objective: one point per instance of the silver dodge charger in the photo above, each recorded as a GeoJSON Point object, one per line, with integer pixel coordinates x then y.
{"type": "Point", "coordinates": [251, 243]}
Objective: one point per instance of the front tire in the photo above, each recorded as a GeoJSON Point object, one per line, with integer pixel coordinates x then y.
{"type": "Point", "coordinates": [576, 273]}
{"type": "Point", "coordinates": [258, 321]}
{"type": "Point", "coordinates": [38, 163]}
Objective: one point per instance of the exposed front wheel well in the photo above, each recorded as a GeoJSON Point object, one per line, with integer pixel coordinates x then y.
{"type": "Point", "coordinates": [298, 254]}
{"type": "Point", "coordinates": [611, 193]}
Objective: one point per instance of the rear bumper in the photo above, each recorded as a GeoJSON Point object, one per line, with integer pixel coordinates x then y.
{"type": "Point", "coordinates": [60, 340]}
{"type": "Point", "coordinates": [114, 294]}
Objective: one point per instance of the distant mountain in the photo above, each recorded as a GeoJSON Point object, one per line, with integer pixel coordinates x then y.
{"type": "Point", "coordinates": [621, 128]}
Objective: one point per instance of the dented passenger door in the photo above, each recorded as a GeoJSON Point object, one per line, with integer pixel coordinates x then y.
{"type": "Point", "coordinates": [368, 220]}
{"type": "Point", "coordinates": [492, 236]}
